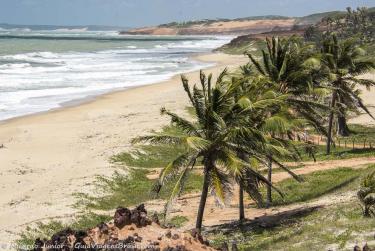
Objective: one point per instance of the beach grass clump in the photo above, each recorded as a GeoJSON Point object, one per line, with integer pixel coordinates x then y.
{"type": "Point", "coordinates": [360, 133]}
{"type": "Point", "coordinates": [44, 230]}
{"type": "Point", "coordinates": [129, 189]}
{"type": "Point", "coordinates": [317, 184]}
{"type": "Point", "coordinates": [148, 156]}
{"type": "Point", "coordinates": [178, 221]}
{"type": "Point", "coordinates": [336, 227]}
{"type": "Point", "coordinates": [151, 156]}
{"type": "Point", "coordinates": [340, 153]}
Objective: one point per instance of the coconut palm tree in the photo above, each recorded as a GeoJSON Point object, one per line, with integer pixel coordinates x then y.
{"type": "Point", "coordinates": [262, 109]}
{"type": "Point", "coordinates": [342, 59]}
{"type": "Point", "coordinates": [213, 137]}
{"type": "Point", "coordinates": [293, 69]}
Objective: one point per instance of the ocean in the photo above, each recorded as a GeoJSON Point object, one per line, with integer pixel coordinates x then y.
{"type": "Point", "coordinates": [42, 70]}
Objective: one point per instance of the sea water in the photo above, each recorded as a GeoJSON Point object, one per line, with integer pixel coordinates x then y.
{"type": "Point", "coordinates": [42, 70]}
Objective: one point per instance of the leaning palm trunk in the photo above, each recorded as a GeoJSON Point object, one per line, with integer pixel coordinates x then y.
{"type": "Point", "coordinates": [330, 122]}
{"type": "Point", "coordinates": [343, 129]}
{"type": "Point", "coordinates": [241, 204]}
{"type": "Point", "coordinates": [269, 188]}
{"type": "Point", "coordinates": [202, 203]}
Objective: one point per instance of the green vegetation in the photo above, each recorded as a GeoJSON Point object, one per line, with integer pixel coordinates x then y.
{"type": "Point", "coordinates": [178, 221]}
{"type": "Point", "coordinates": [317, 17]}
{"type": "Point", "coordinates": [129, 190]}
{"type": "Point", "coordinates": [315, 185]}
{"type": "Point", "coordinates": [366, 195]}
{"type": "Point", "coordinates": [205, 22]}
{"type": "Point", "coordinates": [46, 230]}
{"type": "Point", "coordinates": [360, 134]}
{"type": "Point", "coordinates": [254, 117]}
{"type": "Point", "coordinates": [151, 156]}
{"type": "Point", "coordinates": [243, 44]}
{"type": "Point", "coordinates": [337, 227]}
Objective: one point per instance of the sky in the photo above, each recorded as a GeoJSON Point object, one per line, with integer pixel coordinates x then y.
{"type": "Point", "coordinates": [137, 13]}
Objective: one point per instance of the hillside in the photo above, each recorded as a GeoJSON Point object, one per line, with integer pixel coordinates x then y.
{"type": "Point", "coordinates": [239, 26]}
{"type": "Point", "coordinates": [225, 27]}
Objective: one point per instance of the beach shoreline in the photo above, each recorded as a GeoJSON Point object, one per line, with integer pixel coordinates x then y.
{"type": "Point", "coordinates": [50, 155]}
{"type": "Point", "coordinates": [201, 57]}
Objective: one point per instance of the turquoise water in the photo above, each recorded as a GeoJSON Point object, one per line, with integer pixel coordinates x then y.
{"type": "Point", "coordinates": [41, 70]}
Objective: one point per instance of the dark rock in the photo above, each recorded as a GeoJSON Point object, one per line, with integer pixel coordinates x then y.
{"type": "Point", "coordinates": [168, 234]}
{"type": "Point", "coordinates": [38, 244]}
{"type": "Point", "coordinates": [138, 239]}
{"type": "Point", "coordinates": [366, 248]}
{"type": "Point", "coordinates": [103, 228]}
{"type": "Point", "coordinates": [177, 248]}
{"type": "Point", "coordinates": [175, 237]}
{"type": "Point", "coordinates": [155, 218]}
{"type": "Point", "coordinates": [122, 217]}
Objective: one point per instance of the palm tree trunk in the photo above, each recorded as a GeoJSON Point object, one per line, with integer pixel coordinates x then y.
{"type": "Point", "coordinates": [330, 122]}
{"type": "Point", "coordinates": [269, 188]}
{"type": "Point", "coordinates": [241, 204]}
{"type": "Point", "coordinates": [245, 158]}
{"type": "Point", "coordinates": [202, 203]}
{"type": "Point", "coordinates": [343, 129]}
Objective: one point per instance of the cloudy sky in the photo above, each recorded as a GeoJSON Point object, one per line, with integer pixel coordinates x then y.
{"type": "Point", "coordinates": [135, 13]}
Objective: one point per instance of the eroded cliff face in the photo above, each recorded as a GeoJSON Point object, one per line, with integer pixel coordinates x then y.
{"type": "Point", "coordinates": [129, 230]}
{"type": "Point", "coordinates": [217, 28]}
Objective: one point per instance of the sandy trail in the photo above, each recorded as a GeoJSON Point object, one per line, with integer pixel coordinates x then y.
{"type": "Point", "coordinates": [47, 157]}
{"type": "Point", "coordinates": [187, 205]}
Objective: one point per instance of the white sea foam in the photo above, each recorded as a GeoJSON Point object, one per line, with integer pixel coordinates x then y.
{"type": "Point", "coordinates": [39, 80]}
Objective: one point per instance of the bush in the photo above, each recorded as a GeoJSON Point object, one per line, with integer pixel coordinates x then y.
{"type": "Point", "coordinates": [366, 195]}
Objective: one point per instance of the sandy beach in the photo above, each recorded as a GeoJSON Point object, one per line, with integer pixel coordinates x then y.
{"type": "Point", "coordinates": [49, 156]}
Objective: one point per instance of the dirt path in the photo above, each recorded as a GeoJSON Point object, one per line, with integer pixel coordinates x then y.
{"type": "Point", "coordinates": [187, 205]}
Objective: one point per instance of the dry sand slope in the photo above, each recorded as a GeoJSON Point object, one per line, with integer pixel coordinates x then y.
{"type": "Point", "coordinates": [47, 157]}
{"type": "Point", "coordinates": [369, 99]}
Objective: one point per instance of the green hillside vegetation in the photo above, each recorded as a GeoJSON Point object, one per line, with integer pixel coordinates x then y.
{"type": "Point", "coordinates": [317, 17]}
{"type": "Point", "coordinates": [187, 24]}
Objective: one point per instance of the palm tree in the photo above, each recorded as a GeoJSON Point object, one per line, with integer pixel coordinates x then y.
{"type": "Point", "coordinates": [342, 59]}
{"type": "Point", "coordinates": [262, 109]}
{"type": "Point", "coordinates": [293, 69]}
{"type": "Point", "coordinates": [214, 138]}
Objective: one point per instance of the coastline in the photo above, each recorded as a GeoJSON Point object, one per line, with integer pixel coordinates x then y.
{"type": "Point", "coordinates": [202, 57]}
{"type": "Point", "coordinates": [37, 183]}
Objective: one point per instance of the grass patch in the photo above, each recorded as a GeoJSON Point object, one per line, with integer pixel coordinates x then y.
{"type": "Point", "coordinates": [243, 44]}
{"type": "Point", "coordinates": [317, 184]}
{"type": "Point", "coordinates": [46, 230]}
{"type": "Point", "coordinates": [339, 153]}
{"type": "Point", "coordinates": [336, 227]}
{"type": "Point", "coordinates": [118, 190]}
{"type": "Point", "coordinates": [151, 156]}
{"type": "Point", "coordinates": [178, 220]}
{"type": "Point", "coordinates": [129, 190]}
{"type": "Point", "coordinates": [336, 153]}
{"type": "Point", "coordinates": [360, 133]}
